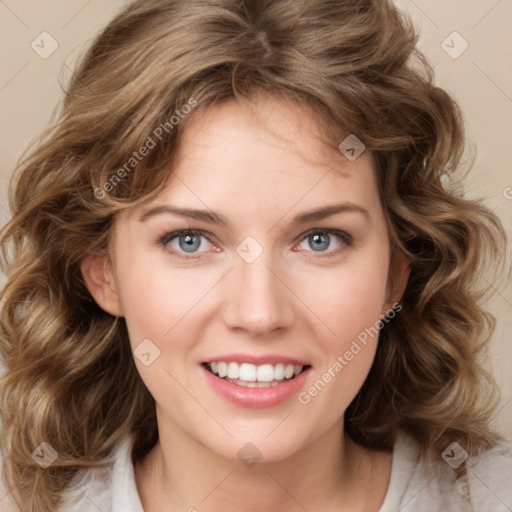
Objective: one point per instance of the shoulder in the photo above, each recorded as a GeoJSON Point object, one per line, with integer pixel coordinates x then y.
{"type": "Point", "coordinates": [111, 487]}
{"type": "Point", "coordinates": [90, 490]}
{"type": "Point", "coordinates": [421, 485]}
{"type": "Point", "coordinates": [490, 479]}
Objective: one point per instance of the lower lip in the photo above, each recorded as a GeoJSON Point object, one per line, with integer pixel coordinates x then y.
{"type": "Point", "coordinates": [255, 397]}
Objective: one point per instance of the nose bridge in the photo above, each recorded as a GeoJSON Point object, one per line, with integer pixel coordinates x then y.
{"type": "Point", "coordinates": [256, 299]}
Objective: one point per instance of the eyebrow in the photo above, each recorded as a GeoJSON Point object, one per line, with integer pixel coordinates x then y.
{"type": "Point", "coordinates": [212, 217]}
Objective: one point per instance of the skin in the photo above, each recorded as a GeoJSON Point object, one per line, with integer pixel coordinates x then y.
{"type": "Point", "coordinates": [258, 171]}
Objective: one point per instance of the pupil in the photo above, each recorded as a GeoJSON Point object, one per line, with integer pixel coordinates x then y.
{"type": "Point", "coordinates": [190, 245]}
{"type": "Point", "coordinates": [321, 241]}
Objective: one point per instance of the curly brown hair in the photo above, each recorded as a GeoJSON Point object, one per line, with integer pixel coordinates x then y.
{"type": "Point", "coordinates": [70, 378]}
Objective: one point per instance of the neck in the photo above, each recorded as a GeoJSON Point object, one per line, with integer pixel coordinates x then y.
{"type": "Point", "coordinates": [330, 471]}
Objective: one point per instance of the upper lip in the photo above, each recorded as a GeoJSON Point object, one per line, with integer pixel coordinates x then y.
{"type": "Point", "coordinates": [257, 360]}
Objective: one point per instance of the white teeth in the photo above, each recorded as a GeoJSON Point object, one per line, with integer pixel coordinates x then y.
{"type": "Point", "coordinates": [247, 372]}
{"type": "Point", "coordinates": [251, 375]}
{"type": "Point", "coordinates": [289, 371]}
{"type": "Point", "coordinates": [265, 373]}
{"type": "Point", "coordinates": [254, 384]}
{"type": "Point", "coordinates": [233, 371]}
{"type": "Point", "coordinates": [279, 371]}
{"type": "Point", "coordinates": [222, 369]}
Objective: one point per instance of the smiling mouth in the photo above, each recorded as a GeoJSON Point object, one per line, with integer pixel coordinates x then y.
{"type": "Point", "coordinates": [255, 376]}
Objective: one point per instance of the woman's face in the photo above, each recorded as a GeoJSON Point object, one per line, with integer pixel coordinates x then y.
{"type": "Point", "coordinates": [253, 285]}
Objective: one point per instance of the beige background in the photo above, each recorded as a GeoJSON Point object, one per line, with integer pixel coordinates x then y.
{"type": "Point", "coordinates": [480, 79]}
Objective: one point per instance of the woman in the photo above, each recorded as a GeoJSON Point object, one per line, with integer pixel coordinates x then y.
{"type": "Point", "coordinates": [235, 280]}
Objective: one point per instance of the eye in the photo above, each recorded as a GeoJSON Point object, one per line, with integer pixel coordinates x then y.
{"type": "Point", "coordinates": [186, 242]}
{"type": "Point", "coordinates": [328, 241]}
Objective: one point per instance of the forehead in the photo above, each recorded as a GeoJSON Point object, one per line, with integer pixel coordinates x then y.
{"type": "Point", "coordinates": [278, 125]}
{"type": "Point", "coordinates": [253, 157]}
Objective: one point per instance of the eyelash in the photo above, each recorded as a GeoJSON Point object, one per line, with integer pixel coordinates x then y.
{"type": "Point", "coordinates": [345, 238]}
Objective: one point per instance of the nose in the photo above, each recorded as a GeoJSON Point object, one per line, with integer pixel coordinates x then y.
{"type": "Point", "coordinates": [257, 300]}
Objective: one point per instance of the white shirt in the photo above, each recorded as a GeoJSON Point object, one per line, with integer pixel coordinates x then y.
{"type": "Point", "coordinates": [415, 484]}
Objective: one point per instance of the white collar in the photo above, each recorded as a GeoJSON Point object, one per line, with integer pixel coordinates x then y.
{"type": "Point", "coordinates": [125, 497]}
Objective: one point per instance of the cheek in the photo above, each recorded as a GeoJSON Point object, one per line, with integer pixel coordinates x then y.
{"type": "Point", "coordinates": [157, 304]}
{"type": "Point", "coordinates": [349, 300]}
{"type": "Point", "coordinates": [349, 297]}
{"type": "Point", "coordinates": [351, 310]}
{"type": "Point", "coordinates": [154, 299]}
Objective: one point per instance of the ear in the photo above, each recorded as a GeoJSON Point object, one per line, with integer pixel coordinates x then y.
{"type": "Point", "coordinates": [99, 279]}
{"type": "Point", "coordinates": [398, 278]}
